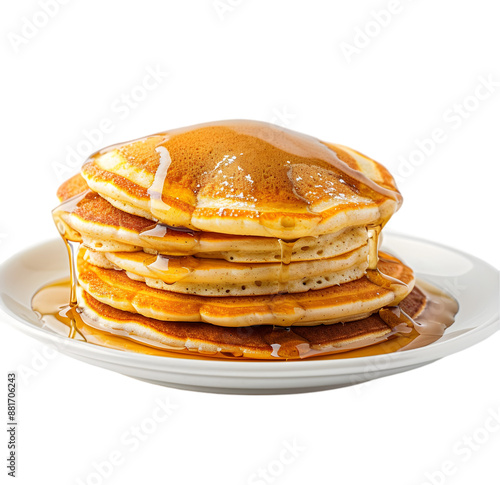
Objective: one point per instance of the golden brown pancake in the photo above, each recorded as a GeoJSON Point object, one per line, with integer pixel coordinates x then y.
{"type": "Point", "coordinates": [212, 277]}
{"type": "Point", "coordinates": [238, 237]}
{"type": "Point", "coordinates": [103, 227]}
{"type": "Point", "coordinates": [257, 342]}
{"type": "Point", "coordinates": [350, 301]}
{"type": "Point", "coordinates": [244, 177]}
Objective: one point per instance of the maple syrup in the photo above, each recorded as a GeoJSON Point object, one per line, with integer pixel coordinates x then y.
{"type": "Point", "coordinates": [253, 139]}
{"type": "Point", "coordinates": [51, 305]}
{"type": "Point", "coordinates": [374, 274]}
{"type": "Point", "coordinates": [56, 303]}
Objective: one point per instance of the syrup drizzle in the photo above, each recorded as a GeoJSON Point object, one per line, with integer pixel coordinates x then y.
{"type": "Point", "coordinates": [286, 252]}
{"type": "Point", "coordinates": [374, 274]}
{"type": "Point", "coordinates": [289, 142]}
{"type": "Point", "coordinates": [286, 311]}
{"type": "Point", "coordinates": [155, 192]}
{"type": "Point", "coordinates": [68, 207]}
{"type": "Point", "coordinates": [160, 230]}
{"type": "Point", "coordinates": [185, 243]}
{"type": "Point", "coordinates": [171, 269]}
{"type": "Point", "coordinates": [71, 240]}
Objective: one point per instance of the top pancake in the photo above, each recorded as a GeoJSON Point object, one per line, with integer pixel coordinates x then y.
{"type": "Point", "coordinates": [244, 177]}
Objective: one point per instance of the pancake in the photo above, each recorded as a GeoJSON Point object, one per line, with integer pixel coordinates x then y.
{"type": "Point", "coordinates": [257, 342]}
{"type": "Point", "coordinates": [238, 238]}
{"type": "Point", "coordinates": [350, 301]}
{"type": "Point", "coordinates": [209, 277]}
{"type": "Point", "coordinates": [245, 178]}
{"type": "Point", "coordinates": [99, 225]}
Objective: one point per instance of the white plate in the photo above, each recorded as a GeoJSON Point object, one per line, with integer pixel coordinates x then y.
{"type": "Point", "coordinates": [473, 282]}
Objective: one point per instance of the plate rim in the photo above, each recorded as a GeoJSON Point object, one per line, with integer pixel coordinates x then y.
{"type": "Point", "coordinates": [272, 369]}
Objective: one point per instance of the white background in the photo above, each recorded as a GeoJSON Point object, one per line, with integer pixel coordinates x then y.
{"type": "Point", "coordinates": [309, 66]}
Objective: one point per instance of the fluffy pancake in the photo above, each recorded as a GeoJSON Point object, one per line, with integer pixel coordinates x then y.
{"type": "Point", "coordinates": [349, 301]}
{"type": "Point", "coordinates": [257, 342]}
{"type": "Point", "coordinates": [103, 227]}
{"type": "Point", "coordinates": [211, 277]}
{"type": "Point", "coordinates": [237, 238]}
{"type": "Point", "coordinates": [247, 178]}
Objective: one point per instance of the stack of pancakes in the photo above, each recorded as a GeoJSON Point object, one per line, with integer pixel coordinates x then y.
{"type": "Point", "coordinates": [236, 238]}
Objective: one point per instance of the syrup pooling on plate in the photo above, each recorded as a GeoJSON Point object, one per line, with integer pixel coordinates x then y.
{"type": "Point", "coordinates": [438, 315]}
{"type": "Point", "coordinates": [51, 305]}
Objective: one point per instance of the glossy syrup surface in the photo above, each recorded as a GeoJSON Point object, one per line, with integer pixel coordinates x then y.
{"type": "Point", "coordinates": [373, 273]}
{"type": "Point", "coordinates": [248, 164]}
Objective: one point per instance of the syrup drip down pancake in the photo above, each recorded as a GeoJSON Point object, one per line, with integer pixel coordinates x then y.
{"type": "Point", "coordinates": [236, 238]}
